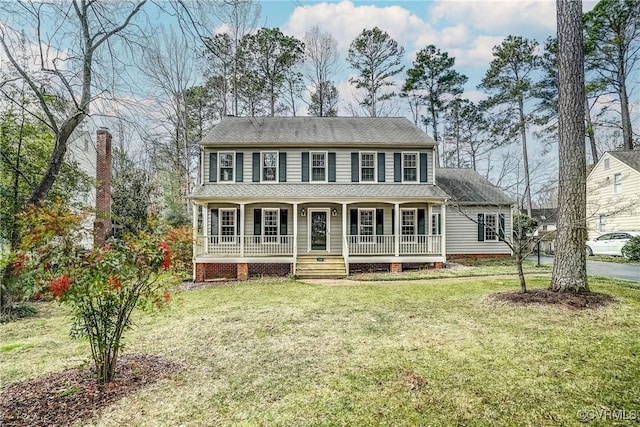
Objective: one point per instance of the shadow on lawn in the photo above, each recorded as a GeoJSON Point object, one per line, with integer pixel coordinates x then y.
{"type": "Point", "coordinates": [579, 301]}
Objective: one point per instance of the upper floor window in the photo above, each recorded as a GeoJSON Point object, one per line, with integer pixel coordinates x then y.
{"type": "Point", "coordinates": [269, 166]}
{"type": "Point", "coordinates": [617, 183]}
{"type": "Point", "coordinates": [602, 224]}
{"type": "Point", "coordinates": [319, 167]}
{"type": "Point", "coordinates": [367, 167]}
{"type": "Point", "coordinates": [410, 167]}
{"type": "Point", "coordinates": [226, 166]}
{"type": "Point", "coordinates": [490, 227]}
{"type": "Point", "coordinates": [606, 164]}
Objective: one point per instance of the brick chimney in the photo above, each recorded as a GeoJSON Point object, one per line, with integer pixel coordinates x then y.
{"type": "Point", "coordinates": [102, 224]}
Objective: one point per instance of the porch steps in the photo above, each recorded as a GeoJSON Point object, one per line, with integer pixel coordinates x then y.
{"type": "Point", "coordinates": [320, 267]}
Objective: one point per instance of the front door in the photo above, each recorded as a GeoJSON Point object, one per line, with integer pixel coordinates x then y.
{"type": "Point", "coordinates": [318, 230]}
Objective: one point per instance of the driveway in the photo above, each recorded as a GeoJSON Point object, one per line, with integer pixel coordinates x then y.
{"type": "Point", "coordinates": [605, 269]}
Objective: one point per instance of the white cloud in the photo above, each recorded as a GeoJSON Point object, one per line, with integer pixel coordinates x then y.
{"type": "Point", "coordinates": [345, 21]}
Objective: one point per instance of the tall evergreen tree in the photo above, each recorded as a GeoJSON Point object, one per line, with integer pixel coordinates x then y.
{"type": "Point", "coordinates": [570, 266]}
{"type": "Point", "coordinates": [434, 78]}
{"type": "Point", "coordinates": [509, 82]}
{"type": "Point", "coordinates": [377, 57]}
{"type": "Point", "coordinates": [612, 46]}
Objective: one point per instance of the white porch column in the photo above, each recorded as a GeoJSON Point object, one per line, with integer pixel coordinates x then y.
{"type": "Point", "coordinates": [295, 236]}
{"type": "Point", "coordinates": [241, 225]}
{"type": "Point", "coordinates": [443, 230]}
{"type": "Point", "coordinates": [396, 238]}
{"type": "Point", "coordinates": [194, 224]}
{"type": "Point", "coordinates": [429, 220]}
{"type": "Point", "coordinates": [345, 245]}
{"type": "Point", "coordinates": [206, 227]}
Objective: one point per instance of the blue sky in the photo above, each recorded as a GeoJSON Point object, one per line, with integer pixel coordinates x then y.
{"type": "Point", "coordinates": [467, 30]}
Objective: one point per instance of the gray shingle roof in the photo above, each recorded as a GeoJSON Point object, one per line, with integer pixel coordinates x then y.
{"type": "Point", "coordinates": [468, 186]}
{"type": "Point", "coordinates": [322, 192]}
{"type": "Point", "coordinates": [320, 130]}
{"type": "Point", "coordinates": [630, 157]}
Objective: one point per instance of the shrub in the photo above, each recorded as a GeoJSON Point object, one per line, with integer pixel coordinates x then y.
{"type": "Point", "coordinates": [102, 285]}
{"type": "Point", "coordinates": [631, 250]}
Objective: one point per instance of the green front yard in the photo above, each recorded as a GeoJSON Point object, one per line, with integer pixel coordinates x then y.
{"type": "Point", "coordinates": [393, 353]}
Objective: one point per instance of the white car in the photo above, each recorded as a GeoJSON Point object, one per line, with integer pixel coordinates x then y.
{"type": "Point", "coordinates": [610, 243]}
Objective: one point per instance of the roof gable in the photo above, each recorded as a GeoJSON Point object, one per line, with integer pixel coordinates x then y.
{"type": "Point", "coordinates": [467, 186]}
{"type": "Point", "coordinates": [318, 130]}
{"type": "Point", "coordinates": [629, 157]}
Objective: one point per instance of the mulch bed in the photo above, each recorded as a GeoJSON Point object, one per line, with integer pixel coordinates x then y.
{"type": "Point", "coordinates": [578, 301]}
{"type": "Point", "coordinates": [67, 397]}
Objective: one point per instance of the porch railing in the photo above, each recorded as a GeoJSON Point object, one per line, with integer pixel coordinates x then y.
{"type": "Point", "coordinates": [253, 245]}
{"type": "Point", "coordinates": [385, 245]}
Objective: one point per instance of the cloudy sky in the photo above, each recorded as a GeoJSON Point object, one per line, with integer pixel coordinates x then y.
{"type": "Point", "coordinates": [467, 30]}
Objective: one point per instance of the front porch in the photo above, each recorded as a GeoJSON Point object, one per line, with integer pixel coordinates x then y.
{"type": "Point", "coordinates": [263, 232]}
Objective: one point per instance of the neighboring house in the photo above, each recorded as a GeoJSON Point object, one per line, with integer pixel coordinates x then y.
{"type": "Point", "coordinates": [613, 193]}
{"type": "Point", "coordinates": [332, 195]}
{"type": "Point", "coordinates": [82, 150]}
{"type": "Point", "coordinates": [547, 224]}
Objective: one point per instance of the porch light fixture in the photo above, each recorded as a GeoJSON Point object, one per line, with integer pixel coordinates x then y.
{"type": "Point", "coordinates": [303, 212]}
{"type": "Point", "coordinates": [334, 212]}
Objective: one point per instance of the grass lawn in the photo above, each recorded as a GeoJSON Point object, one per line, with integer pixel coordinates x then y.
{"type": "Point", "coordinates": [393, 353]}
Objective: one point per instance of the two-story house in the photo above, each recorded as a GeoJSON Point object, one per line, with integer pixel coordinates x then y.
{"type": "Point", "coordinates": [328, 196]}
{"type": "Point", "coordinates": [613, 193]}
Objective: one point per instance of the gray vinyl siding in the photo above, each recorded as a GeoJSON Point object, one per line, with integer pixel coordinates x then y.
{"type": "Point", "coordinates": [462, 233]}
{"type": "Point", "coordinates": [294, 162]}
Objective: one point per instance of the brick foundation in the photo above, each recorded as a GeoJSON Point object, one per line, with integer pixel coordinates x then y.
{"type": "Point", "coordinates": [270, 269]}
{"type": "Point", "coordinates": [457, 257]}
{"type": "Point", "coordinates": [367, 267]}
{"type": "Point", "coordinates": [438, 265]}
{"type": "Point", "coordinates": [240, 271]}
{"type": "Point", "coordinates": [396, 267]}
{"type": "Point", "coordinates": [215, 271]}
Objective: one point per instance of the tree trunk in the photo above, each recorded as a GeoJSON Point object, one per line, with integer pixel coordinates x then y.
{"type": "Point", "coordinates": [590, 133]}
{"type": "Point", "coordinates": [523, 282]}
{"type": "Point", "coordinates": [569, 269]}
{"type": "Point", "coordinates": [627, 133]}
{"type": "Point", "coordinates": [525, 157]}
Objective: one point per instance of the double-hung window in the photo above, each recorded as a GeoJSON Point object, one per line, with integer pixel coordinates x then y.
{"type": "Point", "coordinates": [227, 225]}
{"type": "Point", "coordinates": [408, 227]}
{"type": "Point", "coordinates": [435, 224]}
{"type": "Point", "coordinates": [366, 224]}
{"type": "Point", "coordinates": [226, 166]}
{"type": "Point", "coordinates": [319, 167]}
{"type": "Point", "coordinates": [490, 227]}
{"type": "Point", "coordinates": [270, 225]}
{"type": "Point", "coordinates": [617, 183]}
{"type": "Point", "coordinates": [410, 167]}
{"type": "Point", "coordinates": [367, 167]}
{"type": "Point", "coordinates": [269, 166]}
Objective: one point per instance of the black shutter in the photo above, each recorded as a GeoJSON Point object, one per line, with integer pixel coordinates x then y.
{"type": "Point", "coordinates": [393, 221]}
{"type": "Point", "coordinates": [480, 227]}
{"type": "Point", "coordinates": [379, 222]}
{"type": "Point", "coordinates": [239, 167]}
{"type": "Point", "coordinates": [381, 167]}
{"type": "Point", "coordinates": [238, 221]}
{"type": "Point", "coordinates": [332, 167]}
{"type": "Point", "coordinates": [423, 167]}
{"type": "Point", "coordinates": [421, 222]}
{"type": "Point", "coordinates": [397, 167]}
{"type": "Point", "coordinates": [440, 222]}
{"type": "Point", "coordinates": [256, 167]}
{"type": "Point", "coordinates": [501, 227]}
{"type": "Point", "coordinates": [355, 167]}
{"type": "Point", "coordinates": [283, 221]}
{"type": "Point", "coordinates": [257, 222]}
{"type": "Point", "coordinates": [214, 222]}
{"type": "Point", "coordinates": [213, 167]}
{"type": "Point", "coordinates": [282, 167]}
{"type": "Point", "coordinates": [305, 166]}
{"type": "Point", "coordinates": [353, 218]}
